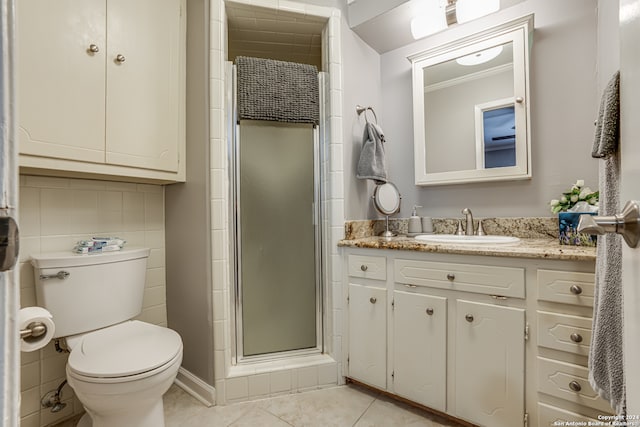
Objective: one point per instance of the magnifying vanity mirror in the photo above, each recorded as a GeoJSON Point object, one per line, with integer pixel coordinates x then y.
{"type": "Point", "coordinates": [386, 199]}
{"type": "Point", "coordinates": [471, 107]}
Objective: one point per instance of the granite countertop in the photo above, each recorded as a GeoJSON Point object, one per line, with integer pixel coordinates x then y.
{"type": "Point", "coordinates": [544, 248]}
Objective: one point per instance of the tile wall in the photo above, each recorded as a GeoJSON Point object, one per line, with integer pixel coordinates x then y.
{"type": "Point", "coordinates": [54, 214]}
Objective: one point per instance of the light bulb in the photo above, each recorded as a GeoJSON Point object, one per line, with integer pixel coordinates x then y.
{"type": "Point", "coordinates": [468, 10]}
{"type": "Point", "coordinates": [429, 19]}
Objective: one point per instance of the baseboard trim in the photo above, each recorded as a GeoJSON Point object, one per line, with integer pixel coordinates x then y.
{"type": "Point", "coordinates": [197, 388]}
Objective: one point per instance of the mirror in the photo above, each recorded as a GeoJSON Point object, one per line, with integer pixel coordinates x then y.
{"type": "Point", "coordinates": [386, 199]}
{"type": "Point", "coordinates": [470, 108]}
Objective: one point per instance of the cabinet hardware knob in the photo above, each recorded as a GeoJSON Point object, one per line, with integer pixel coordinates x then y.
{"type": "Point", "coordinates": [411, 286]}
{"type": "Point", "coordinates": [519, 99]}
{"type": "Point", "coordinates": [430, 311]}
{"type": "Point", "coordinates": [120, 58]}
{"type": "Point", "coordinates": [576, 337]}
{"type": "Point", "coordinates": [451, 277]}
{"type": "Point", "coordinates": [93, 48]}
{"type": "Point", "coordinates": [364, 267]}
{"type": "Point", "coordinates": [575, 386]}
{"type": "Point", "coordinates": [373, 300]}
{"type": "Point", "coordinates": [575, 289]}
{"type": "Point", "coordinates": [469, 318]}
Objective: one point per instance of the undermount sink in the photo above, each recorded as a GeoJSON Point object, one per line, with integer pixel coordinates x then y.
{"type": "Point", "coordinates": [467, 240]}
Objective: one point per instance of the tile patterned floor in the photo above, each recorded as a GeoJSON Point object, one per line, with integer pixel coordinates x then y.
{"type": "Point", "coordinates": [346, 406]}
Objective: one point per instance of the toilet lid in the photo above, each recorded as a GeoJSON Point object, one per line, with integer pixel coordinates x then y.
{"type": "Point", "coordinates": [125, 349]}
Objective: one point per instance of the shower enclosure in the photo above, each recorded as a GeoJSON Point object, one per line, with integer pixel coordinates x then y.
{"type": "Point", "coordinates": [276, 186]}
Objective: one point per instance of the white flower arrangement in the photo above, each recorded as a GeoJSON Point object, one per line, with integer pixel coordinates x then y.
{"type": "Point", "coordinates": [577, 193]}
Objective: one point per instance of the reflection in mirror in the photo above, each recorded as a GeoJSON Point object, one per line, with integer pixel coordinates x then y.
{"type": "Point", "coordinates": [498, 137]}
{"type": "Point", "coordinates": [452, 91]}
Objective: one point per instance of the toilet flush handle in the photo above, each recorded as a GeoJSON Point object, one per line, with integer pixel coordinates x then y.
{"type": "Point", "coordinates": [60, 275]}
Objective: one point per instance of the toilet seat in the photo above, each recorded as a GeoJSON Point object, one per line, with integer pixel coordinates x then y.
{"type": "Point", "coordinates": [124, 352]}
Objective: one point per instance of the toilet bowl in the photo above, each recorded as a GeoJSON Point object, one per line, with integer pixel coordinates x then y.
{"type": "Point", "coordinates": [120, 373]}
{"type": "Point", "coordinates": [118, 368]}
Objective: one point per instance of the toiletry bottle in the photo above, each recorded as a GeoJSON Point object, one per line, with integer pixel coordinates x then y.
{"type": "Point", "coordinates": [415, 224]}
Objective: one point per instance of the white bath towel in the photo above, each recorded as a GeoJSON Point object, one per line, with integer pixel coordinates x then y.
{"type": "Point", "coordinates": [606, 366]}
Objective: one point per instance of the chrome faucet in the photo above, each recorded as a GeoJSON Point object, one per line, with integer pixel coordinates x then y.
{"type": "Point", "coordinates": [469, 220]}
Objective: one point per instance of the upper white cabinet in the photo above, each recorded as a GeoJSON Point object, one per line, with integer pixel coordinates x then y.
{"type": "Point", "coordinates": [471, 107]}
{"type": "Point", "coordinates": [101, 87]}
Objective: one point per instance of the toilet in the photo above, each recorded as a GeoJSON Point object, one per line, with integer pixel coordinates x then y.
{"type": "Point", "coordinates": [118, 368]}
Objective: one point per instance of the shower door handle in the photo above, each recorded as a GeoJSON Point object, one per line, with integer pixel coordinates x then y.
{"type": "Point", "coordinates": [626, 223]}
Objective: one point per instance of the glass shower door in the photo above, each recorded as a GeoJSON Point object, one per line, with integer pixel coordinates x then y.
{"type": "Point", "coordinates": [277, 276]}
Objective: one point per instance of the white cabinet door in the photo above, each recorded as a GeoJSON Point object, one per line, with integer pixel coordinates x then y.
{"type": "Point", "coordinates": [368, 335]}
{"type": "Point", "coordinates": [489, 378]}
{"type": "Point", "coordinates": [420, 348]}
{"type": "Point", "coordinates": [61, 81]}
{"type": "Point", "coordinates": [143, 96]}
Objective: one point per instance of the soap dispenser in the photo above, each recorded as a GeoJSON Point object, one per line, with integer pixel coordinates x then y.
{"type": "Point", "coordinates": [415, 223]}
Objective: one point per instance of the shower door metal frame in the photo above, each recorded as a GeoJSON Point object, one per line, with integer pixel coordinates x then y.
{"type": "Point", "coordinates": [233, 140]}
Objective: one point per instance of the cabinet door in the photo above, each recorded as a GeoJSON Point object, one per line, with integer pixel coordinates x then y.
{"type": "Point", "coordinates": [489, 370]}
{"type": "Point", "coordinates": [61, 86]}
{"type": "Point", "coordinates": [368, 335]}
{"type": "Point", "coordinates": [420, 348]}
{"type": "Point", "coordinates": [143, 96]}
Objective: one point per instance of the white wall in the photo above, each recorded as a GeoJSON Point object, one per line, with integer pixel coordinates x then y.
{"type": "Point", "coordinates": [564, 101]}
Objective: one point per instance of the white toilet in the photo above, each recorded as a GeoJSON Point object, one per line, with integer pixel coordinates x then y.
{"type": "Point", "coordinates": [119, 368]}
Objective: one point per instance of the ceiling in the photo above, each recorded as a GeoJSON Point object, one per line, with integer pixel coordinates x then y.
{"type": "Point", "coordinates": [275, 34]}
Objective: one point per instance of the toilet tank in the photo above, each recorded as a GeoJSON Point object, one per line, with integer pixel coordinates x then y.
{"type": "Point", "coordinates": [99, 290]}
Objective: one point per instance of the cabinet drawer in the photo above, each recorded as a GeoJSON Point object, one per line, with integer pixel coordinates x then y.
{"type": "Point", "coordinates": [549, 416]}
{"type": "Point", "coordinates": [492, 280]}
{"type": "Point", "coordinates": [566, 287]}
{"type": "Point", "coordinates": [564, 332]}
{"type": "Point", "coordinates": [570, 382]}
{"type": "Point", "coordinates": [368, 267]}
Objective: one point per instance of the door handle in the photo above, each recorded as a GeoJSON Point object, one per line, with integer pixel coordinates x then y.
{"type": "Point", "coordinates": [626, 223]}
{"type": "Point", "coordinates": [9, 243]}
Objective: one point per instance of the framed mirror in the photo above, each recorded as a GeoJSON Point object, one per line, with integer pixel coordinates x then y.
{"type": "Point", "coordinates": [471, 107]}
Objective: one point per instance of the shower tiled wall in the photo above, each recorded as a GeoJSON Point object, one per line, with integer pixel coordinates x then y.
{"type": "Point", "coordinates": [239, 383]}
{"type": "Point", "coordinates": [54, 214]}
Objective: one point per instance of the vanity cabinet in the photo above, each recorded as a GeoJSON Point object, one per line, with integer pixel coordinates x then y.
{"type": "Point", "coordinates": [419, 348]}
{"type": "Point", "coordinates": [489, 363]}
{"type": "Point", "coordinates": [368, 320]}
{"type": "Point", "coordinates": [492, 340]}
{"type": "Point", "coordinates": [101, 88]}
{"type": "Point", "coordinates": [564, 320]}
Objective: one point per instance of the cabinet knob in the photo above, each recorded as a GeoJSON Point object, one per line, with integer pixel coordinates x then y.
{"type": "Point", "coordinates": [373, 300]}
{"type": "Point", "coordinates": [519, 99]}
{"type": "Point", "coordinates": [576, 337]}
{"type": "Point", "coordinates": [451, 277]}
{"type": "Point", "coordinates": [93, 48]}
{"type": "Point", "coordinates": [364, 267]}
{"type": "Point", "coordinates": [430, 311]}
{"type": "Point", "coordinates": [575, 289]}
{"type": "Point", "coordinates": [469, 318]}
{"type": "Point", "coordinates": [120, 58]}
{"type": "Point", "coordinates": [575, 386]}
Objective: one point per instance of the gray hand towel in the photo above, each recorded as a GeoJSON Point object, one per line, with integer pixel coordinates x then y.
{"type": "Point", "coordinates": [607, 126]}
{"type": "Point", "coordinates": [606, 366]}
{"type": "Point", "coordinates": [372, 164]}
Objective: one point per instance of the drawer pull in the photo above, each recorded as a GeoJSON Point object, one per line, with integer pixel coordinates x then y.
{"type": "Point", "coordinates": [451, 277]}
{"type": "Point", "coordinates": [411, 286]}
{"type": "Point", "coordinates": [469, 318]}
{"type": "Point", "coordinates": [576, 337]}
{"type": "Point", "coordinates": [373, 300]}
{"type": "Point", "coordinates": [575, 386]}
{"type": "Point", "coordinates": [430, 311]}
{"type": "Point", "coordinates": [498, 297]}
{"type": "Point", "coordinates": [364, 267]}
{"type": "Point", "coordinates": [575, 289]}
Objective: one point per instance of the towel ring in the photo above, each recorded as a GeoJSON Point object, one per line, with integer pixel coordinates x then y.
{"type": "Point", "coordinates": [360, 109]}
